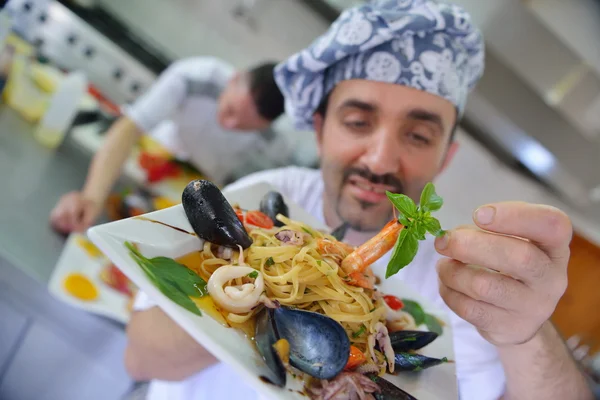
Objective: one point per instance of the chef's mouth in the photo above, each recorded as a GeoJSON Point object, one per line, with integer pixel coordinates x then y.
{"type": "Point", "coordinates": [368, 192]}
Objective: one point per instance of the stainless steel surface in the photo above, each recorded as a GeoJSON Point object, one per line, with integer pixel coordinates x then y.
{"type": "Point", "coordinates": [32, 179]}
{"type": "Point", "coordinates": [71, 43]}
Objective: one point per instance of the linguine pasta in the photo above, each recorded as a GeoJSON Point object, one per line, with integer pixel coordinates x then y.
{"type": "Point", "coordinates": [307, 276]}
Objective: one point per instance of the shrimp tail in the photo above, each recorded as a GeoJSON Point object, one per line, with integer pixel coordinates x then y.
{"type": "Point", "coordinates": [373, 249]}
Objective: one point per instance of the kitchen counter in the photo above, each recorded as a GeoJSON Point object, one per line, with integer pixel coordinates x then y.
{"type": "Point", "coordinates": [32, 179]}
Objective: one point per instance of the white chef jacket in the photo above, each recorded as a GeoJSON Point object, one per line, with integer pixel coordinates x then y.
{"type": "Point", "coordinates": [479, 371]}
{"type": "Point", "coordinates": [180, 112]}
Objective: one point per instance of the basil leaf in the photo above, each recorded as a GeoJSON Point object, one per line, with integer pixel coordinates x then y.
{"type": "Point", "coordinates": [186, 279]}
{"type": "Point", "coordinates": [403, 203]}
{"type": "Point", "coordinates": [433, 324]}
{"type": "Point", "coordinates": [428, 190]}
{"type": "Point", "coordinates": [405, 250]}
{"type": "Point", "coordinates": [419, 230]}
{"type": "Point", "coordinates": [430, 201]}
{"type": "Point", "coordinates": [433, 226]}
{"type": "Point", "coordinates": [404, 220]}
{"type": "Point", "coordinates": [414, 309]}
{"type": "Point", "coordinates": [180, 298]}
{"type": "Point", "coordinates": [173, 279]}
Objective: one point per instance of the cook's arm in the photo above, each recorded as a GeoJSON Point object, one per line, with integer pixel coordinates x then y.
{"type": "Point", "coordinates": [108, 161]}
{"type": "Point", "coordinates": [159, 349]}
{"type": "Point", "coordinates": [543, 368]}
{"type": "Point", "coordinates": [159, 103]}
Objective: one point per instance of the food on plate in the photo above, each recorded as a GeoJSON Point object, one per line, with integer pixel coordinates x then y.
{"type": "Point", "coordinates": [307, 300]}
{"type": "Point", "coordinates": [272, 204]}
{"type": "Point", "coordinates": [80, 287]}
{"type": "Point", "coordinates": [88, 247]}
{"type": "Point", "coordinates": [117, 280]}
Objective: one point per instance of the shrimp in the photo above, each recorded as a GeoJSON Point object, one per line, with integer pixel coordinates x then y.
{"type": "Point", "coordinates": [334, 248]}
{"type": "Point", "coordinates": [364, 279]}
{"type": "Point", "coordinates": [373, 249]}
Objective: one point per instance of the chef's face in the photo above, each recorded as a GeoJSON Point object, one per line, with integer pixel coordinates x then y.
{"type": "Point", "coordinates": [237, 109]}
{"type": "Point", "coordinates": [375, 137]}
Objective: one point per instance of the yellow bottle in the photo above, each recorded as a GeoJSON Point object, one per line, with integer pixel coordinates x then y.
{"type": "Point", "coordinates": [61, 111]}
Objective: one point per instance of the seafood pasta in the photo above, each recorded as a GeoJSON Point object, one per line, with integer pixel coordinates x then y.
{"type": "Point", "coordinates": [310, 299]}
{"type": "Point", "coordinates": [296, 266]}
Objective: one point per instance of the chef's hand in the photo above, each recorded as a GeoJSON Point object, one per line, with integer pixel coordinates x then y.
{"type": "Point", "coordinates": [508, 306]}
{"type": "Point", "coordinates": [74, 213]}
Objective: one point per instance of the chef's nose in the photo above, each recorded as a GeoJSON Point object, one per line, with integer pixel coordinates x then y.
{"type": "Point", "coordinates": [383, 153]}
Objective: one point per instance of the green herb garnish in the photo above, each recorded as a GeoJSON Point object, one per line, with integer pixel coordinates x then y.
{"type": "Point", "coordinates": [421, 317]}
{"type": "Point", "coordinates": [359, 332]}
{"type": "Point", "coordinates": [269, 261]}
{"type": "Point", "coordinates": [319, 262]}
{"type": "Point", "coordinates": [173, 279]}
{"type": "Point", "coordinates": [417, 221]}
{"type": "Point", "coordinates": [415, 310]}
{"type": "Point", "coordinates": [253, 274]}
{"type": "Point", "coordinates": [433, 324]}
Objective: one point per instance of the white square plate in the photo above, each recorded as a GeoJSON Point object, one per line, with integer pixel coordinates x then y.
{"type": "Point", "coordinates": [74, 259]}
{"type": "Point", "coordinates": [230, 345]}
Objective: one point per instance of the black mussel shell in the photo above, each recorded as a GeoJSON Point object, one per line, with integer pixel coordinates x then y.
{"type": "Point", "coordinates": [415, 362]}
{"type": "Point", "coordinates": [319, 345]}
{"type": "Point", "coordinates": [403, 341]}
{"type": "Point", "coordinates": [265, 338]}
{"type": "Point", "coordinates": [389, 391]}
{"type": "Point", "coordinates": [212, 217]}
{"type": "Point", "coordinates": [339, 232]}
{"type": "Point", "coordinates": [272, 204]}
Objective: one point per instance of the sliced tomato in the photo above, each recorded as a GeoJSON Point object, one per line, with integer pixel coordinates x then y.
{"type": "Point", "coordinates": [393, 302]}
{"type": "Point", "coordinates": [356, 358]}
{"type": "Point", "coordinates": [259, 219]}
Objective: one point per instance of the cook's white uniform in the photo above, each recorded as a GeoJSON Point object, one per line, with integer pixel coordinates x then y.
{"type": "Point", "coordinates": [480, 374]}
{"type": "Point", "coordinates": [180, 111]}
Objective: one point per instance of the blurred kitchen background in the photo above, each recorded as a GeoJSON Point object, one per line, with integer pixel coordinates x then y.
{"type": "Point", "coordinates": [531, 132]}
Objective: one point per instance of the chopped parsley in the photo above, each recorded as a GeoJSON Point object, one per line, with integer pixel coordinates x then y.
{"type": "Point", "coordinates": [359, 332]}
{"type": "Point", "coordinates": [253, 274]}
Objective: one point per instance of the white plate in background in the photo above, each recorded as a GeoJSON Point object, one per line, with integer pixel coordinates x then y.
{"type": "Point", "coordinates": [74, 259]}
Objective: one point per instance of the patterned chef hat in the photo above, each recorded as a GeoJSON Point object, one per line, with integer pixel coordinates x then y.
{"type": "Point", "coordinates": [423, 44]}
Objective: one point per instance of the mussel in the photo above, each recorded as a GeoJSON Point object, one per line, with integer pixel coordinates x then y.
{"type": "Point", "coordinates": [272, 204]}
{"type": "Point", "coordinates": [319, 346]}
{"type": "Point", "coordinates": [264, 342]}
{"type": "Point", "coordinates": [415, 362]}
{"type": "Point", "coordinates": [212, 217]}
{"type": "Point", "coordinates": [403, 341]}
{"type": "Point", "coordinates": [339, 232]}
{"type": "Point", "coordinates": [389, 391]}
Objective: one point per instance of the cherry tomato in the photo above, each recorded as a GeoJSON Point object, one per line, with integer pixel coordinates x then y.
{"type": "Point", "coordinates": [259, 219]}
{"type": "Point", "coordinates": [356, 358]}
{"type": "Point", "coordinates": [240, 214]}
{"type": "Point", "coordinates": [393, 302]}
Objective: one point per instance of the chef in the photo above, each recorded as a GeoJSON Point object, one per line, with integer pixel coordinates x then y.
{"type": "Point", "coordinates": [384, 89]}
{"type": "Point", "coordinates": [202, 110]}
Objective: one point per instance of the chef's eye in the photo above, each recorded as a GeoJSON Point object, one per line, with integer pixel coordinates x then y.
{"type": "Point", "coordinates": [419, 139]}
{"type": "Point", "coordinates": [357, 124]}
